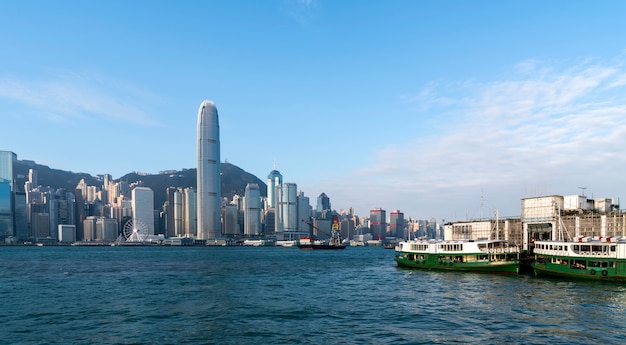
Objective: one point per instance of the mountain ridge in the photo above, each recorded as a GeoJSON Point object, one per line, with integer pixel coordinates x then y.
{"type": "Point", "coordinates": [234, 180]}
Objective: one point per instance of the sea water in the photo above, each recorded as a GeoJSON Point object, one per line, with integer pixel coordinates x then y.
{"type": "Point", "coordinates": [275, 295]}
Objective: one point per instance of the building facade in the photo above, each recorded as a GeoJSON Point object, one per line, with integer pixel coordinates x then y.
{"type": "Point", "coordinates": [252, 210]}
{"type": "Point", "coordinates": [143, 207]}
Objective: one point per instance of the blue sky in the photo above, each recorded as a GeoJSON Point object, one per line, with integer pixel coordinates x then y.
{"type": "Point", "coordinates": [421, 106]}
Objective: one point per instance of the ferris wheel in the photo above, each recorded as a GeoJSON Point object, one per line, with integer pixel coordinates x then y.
{"type": "Point", "coordinates": [135, 230]}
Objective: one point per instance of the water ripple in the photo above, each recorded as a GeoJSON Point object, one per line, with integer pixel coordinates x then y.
{"type": "Point", "coordinates": [148, 295]}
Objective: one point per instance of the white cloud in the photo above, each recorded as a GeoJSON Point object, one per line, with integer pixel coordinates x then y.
{"type": "Point", "coordinates": [71, 97]}
{"type": "Point", "coordinates": [556, 128]}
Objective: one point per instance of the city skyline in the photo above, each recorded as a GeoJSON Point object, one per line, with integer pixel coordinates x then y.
{"type": "Point", "coordinates": [442, 110]}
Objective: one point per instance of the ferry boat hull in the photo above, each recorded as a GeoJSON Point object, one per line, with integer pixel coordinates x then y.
{"type": "Point", "coordinates": [448, 265]}
{"type": "Point", "coordinates": [488, 256]}
{"type": "Point", "coordinates": [584, 258]}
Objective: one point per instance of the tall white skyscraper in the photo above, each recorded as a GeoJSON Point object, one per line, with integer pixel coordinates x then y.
{"type": "Point", "coordinates": [209, 179]}
{"type": "Point", "coordinates": [143, 207]}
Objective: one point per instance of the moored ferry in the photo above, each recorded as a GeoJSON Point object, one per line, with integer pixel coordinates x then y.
{"type": "Point", "coordinates": [482, 255]}
{"type": "Point", "coordinates": [598, 258]}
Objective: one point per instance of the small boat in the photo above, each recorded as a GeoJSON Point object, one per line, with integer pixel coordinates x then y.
{"type": "Point", "coordinates": [481, 255]}
{"type": "Point", "coordinates": [596, 258]}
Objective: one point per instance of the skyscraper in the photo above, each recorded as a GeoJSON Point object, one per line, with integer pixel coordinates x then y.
{"type": "Point", "coordinates": [378, 223]}
{"type": "Point", "coordinates": [209, 179]}
{"type": "Point", "coordinates": [323, 204]}
{"type": "Point", "coordinates": [396, 224]}
{"type": "Point", "coordinates": [252, 211]}
{"type": "Point", "coordinates": [274, 179]}
{"type": "Point", "coordinates": [7, 188]}
{"type": "Point", "coordinates": [143, 207]}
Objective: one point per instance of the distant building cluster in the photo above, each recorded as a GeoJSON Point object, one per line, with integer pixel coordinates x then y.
{"type": "Point", "coordinates": [118, 211]}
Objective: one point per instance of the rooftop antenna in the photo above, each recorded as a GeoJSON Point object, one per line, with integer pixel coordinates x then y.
{"type": "Point", "coordinates": [583, 189]}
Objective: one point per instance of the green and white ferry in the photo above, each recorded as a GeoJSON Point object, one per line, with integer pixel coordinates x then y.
{"type": "Point", "coordinates": [597, 258]}
{"type": "Point", "coordinates": [481, 255]}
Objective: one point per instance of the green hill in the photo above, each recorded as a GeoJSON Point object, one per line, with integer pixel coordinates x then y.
{"type": "Point", "coordinates": [234, 180]}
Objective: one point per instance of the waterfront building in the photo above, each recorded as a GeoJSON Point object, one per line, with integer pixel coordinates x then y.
{"type": "Point", "coordinates": [396, 224]}
{"type": "Point", "coordinates": [208, 172]}
{"type": "Point", "coordinates": [66, 233]}
{"type": "Point", "coordinates": [107, 229]}
{"type": "Point", "coordinates": [378, 223]}
{"type": "Point", "coordinates": [252, 210]}
{"type": "Point", "coordinates": [569, 217]}
{"type": "Point", "coordinates": [143, 207]}
{"type": "Point", "coordinates": [274, 179]}
{"type": "Point", "coordinates": [89, 229]}
{"type": "Point", "coordinates": [509, 229]}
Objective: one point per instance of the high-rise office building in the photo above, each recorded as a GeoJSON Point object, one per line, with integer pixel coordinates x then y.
{"type": "Point", "coordinates": [287, 212]}
{"type": "Point", "coordinates": [190, 210]}
{"type": "Point", "coordinates": [274, 179]}
{"type": "Point", "coordinates": [7, 167]}
{"type": "Point", "coordinates": [252, 210]}
{"type": "Point", "coordinates": [143, 207]}
{"type": "Point", "coordinates": [323, 204]}
{"type": "Point", "coordinates": [231, 221]}
{"type": "Point", "coordinates": [304, 213]}
{"type": "Point", "coordinates": [7, 188]}
{"type": "Point", "coordinates": [378, 223]}
{"type": "Point", "coordinates": [396, 224]}
{"type": "Point", "coordinates": [61, 209]}
{"type": "Point", "coordinates": [208, 178]}
{"type": "Point", "coordinates": [6, 208]}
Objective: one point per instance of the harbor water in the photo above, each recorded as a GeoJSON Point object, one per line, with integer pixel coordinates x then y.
{"type": "Point", "coordinates": [275, 295]}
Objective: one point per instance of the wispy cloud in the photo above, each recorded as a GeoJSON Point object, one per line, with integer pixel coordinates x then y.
{"type": "Point", "coordinates": [546, 125]}
{"type": "Point", "coordinates": [68, 97]}
{"type": "Point", "coordinates": [303, 11]}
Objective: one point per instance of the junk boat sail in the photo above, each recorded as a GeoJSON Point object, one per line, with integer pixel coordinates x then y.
{"type": "Point", "coordinates": [335, 241]}
{"type": "Point", "coordinates": [481, 255]}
